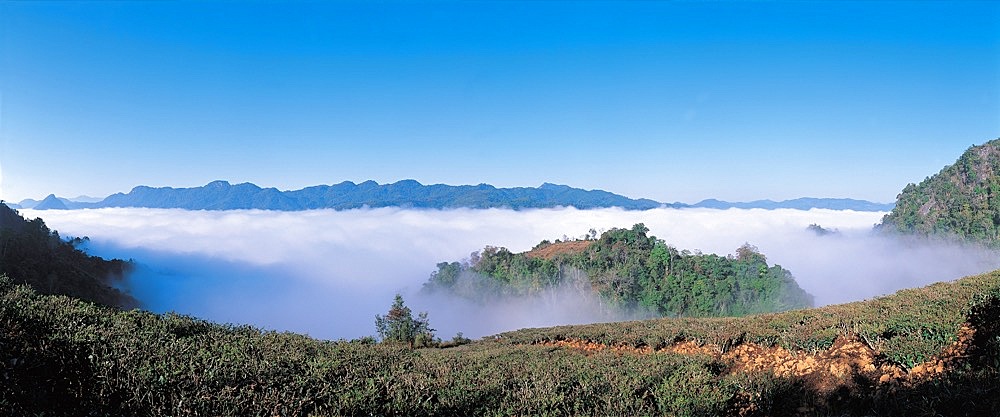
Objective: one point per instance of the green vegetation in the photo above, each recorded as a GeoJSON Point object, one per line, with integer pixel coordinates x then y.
{"type": "Point", "coordinates": [399, 326]}
{"type": "Point", "coordinates": [907, 327]}
{"type": "Point", "coordinates": [635, 272]}
{"type": "Point", "coordinates": [65, 357]}
{"type": "Point", "coordinates": [963, 200]}
{"type": "Point", "coordinates": [39, 257]}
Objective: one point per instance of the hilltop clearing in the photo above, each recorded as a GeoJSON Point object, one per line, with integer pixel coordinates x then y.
{"type": "Point", "coordinates": [549, 251]}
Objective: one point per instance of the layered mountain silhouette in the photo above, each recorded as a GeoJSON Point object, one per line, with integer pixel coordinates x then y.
{"type": "Point", "coordinates": [51, 203]}
{"type": "Point", "coordinates": [804, 203]}
{"type": "Point", "coordinates": [221, 195]}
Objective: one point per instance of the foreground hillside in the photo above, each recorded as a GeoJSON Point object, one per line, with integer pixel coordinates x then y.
{"type": "Point", "coordinates": [926, 351]}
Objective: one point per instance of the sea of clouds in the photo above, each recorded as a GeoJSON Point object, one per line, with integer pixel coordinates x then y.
{"type": "Point", "coordinates": [328, 273]}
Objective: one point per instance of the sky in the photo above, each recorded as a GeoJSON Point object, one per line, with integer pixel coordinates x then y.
{"type": "Point", "coordinates": [668, 100]}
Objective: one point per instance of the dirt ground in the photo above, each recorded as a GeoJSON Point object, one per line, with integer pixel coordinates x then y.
{"type": "Point", "coordinates": [552, 250]}
{"type": "Point", "coordinates": [824, 371]}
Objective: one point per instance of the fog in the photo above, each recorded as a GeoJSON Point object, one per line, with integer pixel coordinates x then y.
{"type": "Point", "coordinates": [328, 273]}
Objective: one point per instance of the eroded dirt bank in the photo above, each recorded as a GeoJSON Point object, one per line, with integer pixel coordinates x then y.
{"type": "Point", "coordinates": [847, 361]}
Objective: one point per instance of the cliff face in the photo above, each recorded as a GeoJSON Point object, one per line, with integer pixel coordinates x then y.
{"type": "Point", "coordinates": [963, 200]}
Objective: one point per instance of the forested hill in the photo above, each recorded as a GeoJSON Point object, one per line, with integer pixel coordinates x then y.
{"type": "Point", "coordinates": [633, 271]}
{"type": "Point", "coordinates": [31, 253]}
{"type": "Point", "coordinates": [963, 200]}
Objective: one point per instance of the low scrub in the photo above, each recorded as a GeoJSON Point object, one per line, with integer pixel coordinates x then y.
{"type": "Point", "coordinates": [64, 357]}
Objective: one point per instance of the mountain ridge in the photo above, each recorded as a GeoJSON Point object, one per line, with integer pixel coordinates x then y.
{"type": "Point", "coordinates": [408, 193]}
{"type": "Point", "coordinates": [801, 203]}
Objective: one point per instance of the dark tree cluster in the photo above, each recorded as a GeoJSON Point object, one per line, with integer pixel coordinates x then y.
{"type": "Point", "coordinates": [31, 253]}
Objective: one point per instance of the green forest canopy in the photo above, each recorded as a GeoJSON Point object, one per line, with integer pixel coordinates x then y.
{"type": "Point", "coordinates": [636, 272]}
{"type": "Point", "coordinates": [962, 200]}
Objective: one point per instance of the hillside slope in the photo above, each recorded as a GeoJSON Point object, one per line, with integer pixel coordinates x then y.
{"type": "Point", "coordinates": [962, 200]}
{"type": "Point", "coordinates": [31, 253]}
{"type": "Point", "coordinates": [921, 352]}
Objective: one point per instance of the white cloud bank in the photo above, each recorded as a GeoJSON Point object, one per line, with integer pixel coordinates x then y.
{"type": "Point", "coordinates": [327, 273]}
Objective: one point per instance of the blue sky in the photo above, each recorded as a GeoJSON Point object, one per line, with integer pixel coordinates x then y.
{"type": "Point", "coordinates": [674, 101]}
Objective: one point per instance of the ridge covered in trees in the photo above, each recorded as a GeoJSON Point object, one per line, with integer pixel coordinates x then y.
{"type": "Point", "coordinates": [961, 201]}
{"type": "Point", "coordinates": [634, 272]}
{"type": "Point", "coordinates": [30, 253]}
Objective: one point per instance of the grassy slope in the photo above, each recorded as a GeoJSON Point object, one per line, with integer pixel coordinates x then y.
{"type": "Point", "coordinates": [60, 356]}
{"type": "Point", "coordinates": [907, 327]}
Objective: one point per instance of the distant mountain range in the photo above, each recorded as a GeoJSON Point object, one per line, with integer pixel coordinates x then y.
{"type": "Point", "coordinates": [799, 203]}
{"type": "Point", "coordinates": [221, 195]}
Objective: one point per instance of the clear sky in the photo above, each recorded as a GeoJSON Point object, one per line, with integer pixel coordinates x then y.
{"type": "Point", "coordinates": [669, 100]}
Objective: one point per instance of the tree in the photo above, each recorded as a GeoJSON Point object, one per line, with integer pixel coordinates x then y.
{"type": "Point", "coordinates": [445, 277]}
{"type": "Point", "coordinates": [399, 325]}
{"type": "Point", "coordinates": [749, 253]}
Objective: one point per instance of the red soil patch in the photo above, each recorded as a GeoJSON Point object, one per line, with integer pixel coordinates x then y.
{"type": "Point", "coordinates": [559, 248]}
{"type": "Point", "coordinates": [824, 371]}
{"type": "Point", "coordinates": [947, 359]}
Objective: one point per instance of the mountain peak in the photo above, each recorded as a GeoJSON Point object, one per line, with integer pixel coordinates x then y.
{"type": "Point", "coordinates": [553, 187]}
{"type": "Point", "coordinates": [408, 183]}
{"type": "Point", "coordinates": [51, 203]}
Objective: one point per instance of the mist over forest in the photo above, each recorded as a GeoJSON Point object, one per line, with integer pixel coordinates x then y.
{"type": "Point", "coordinates": [328, 273]}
